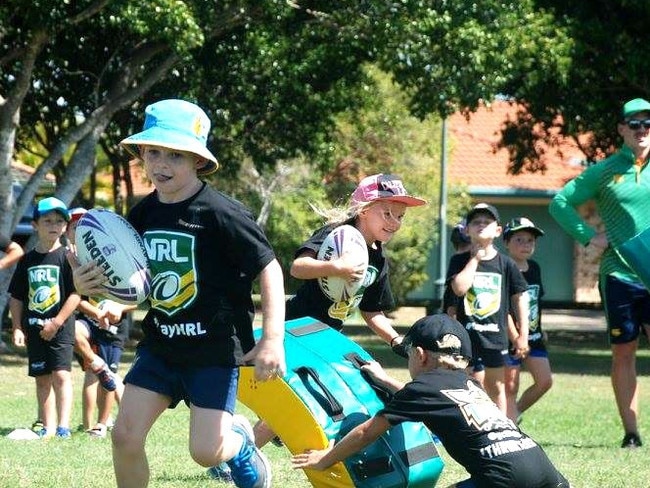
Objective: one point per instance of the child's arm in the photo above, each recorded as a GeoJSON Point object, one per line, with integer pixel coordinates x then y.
{"type": "Point", "coordinates": [462, 281]}
{"type": "Point", "coordinates": [268, 353]}
{"type": "Point", "coordinates": [358, 438]}
{"type": "Point", "coordinates": [513, 333]}
{"type": "Point", "coordinates": [520, 303]}
{"type": "Point", "coordinates": [374, 369]}
{"type": "Point", "coordinates": [307, 267]}
{"type": "Point", "coordinates": [51, 326]}
{"type": "Point", "coordinates": [89, 310]}
{"type": "Point", "coordinates": [16, 309]}
{"type": "Point", "coordinates": [380, 325]}
{"type": "Point", "coordinates": [13, 253]}
{"type": "Point", "coordinates": [114, 311]}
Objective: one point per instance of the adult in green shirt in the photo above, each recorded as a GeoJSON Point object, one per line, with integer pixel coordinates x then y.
{"type": "Point", "coordinates": [620, 187]}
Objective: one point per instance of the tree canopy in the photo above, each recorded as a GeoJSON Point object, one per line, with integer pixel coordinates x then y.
{"type": "Point", "coordinates": [274, 75]}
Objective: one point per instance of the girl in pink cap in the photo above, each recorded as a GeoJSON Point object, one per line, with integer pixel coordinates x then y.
{"type": "Point", "coordinates": [377, 207]}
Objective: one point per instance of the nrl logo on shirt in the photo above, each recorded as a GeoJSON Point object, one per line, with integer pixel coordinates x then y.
{"type": "Point", "coordinates": [44, 291]}
{"type": "Point", "coordinates": [484, 297]}
{"type": "Point", "coordinates": [173, 267]}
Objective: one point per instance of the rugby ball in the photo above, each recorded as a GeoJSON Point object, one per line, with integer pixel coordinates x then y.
{"type": "Point", "coordinates": [109, 240]}
{"type": "Point", "coordinates": [344, 239]}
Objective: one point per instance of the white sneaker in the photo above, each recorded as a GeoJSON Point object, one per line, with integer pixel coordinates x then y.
{"type": "Point", "coordinates": [98, 431]}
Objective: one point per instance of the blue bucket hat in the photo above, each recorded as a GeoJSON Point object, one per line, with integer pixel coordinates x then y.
{"type": "Point", "coordinates": [175, 124]}
{"type": "Point", "coordinates": [51, 204]}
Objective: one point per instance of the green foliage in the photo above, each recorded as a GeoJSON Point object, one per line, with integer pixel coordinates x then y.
{"type": "Point", "coordinates": [604, 67]}
{"type": "Point", "coordinates": [385, 138]}
{"type": "Point", "coordinates": [171, 21]}
{"type": "Point", "coordinates": [293, 219]}
{"type": "Point", "coordinates": [452, 55]}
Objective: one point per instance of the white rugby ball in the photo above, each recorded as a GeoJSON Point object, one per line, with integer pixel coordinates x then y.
{"type": "Point", "coordinates": [109, 240]}
{"type": "Point", "coordinates": [342, 240]}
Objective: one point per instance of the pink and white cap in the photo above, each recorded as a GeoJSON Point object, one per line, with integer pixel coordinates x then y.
{"type": "Point", "coordinates": [384, 187]}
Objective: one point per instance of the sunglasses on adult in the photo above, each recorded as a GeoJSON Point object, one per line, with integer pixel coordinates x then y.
{"type": "Point", "coordinates": [636, 124]}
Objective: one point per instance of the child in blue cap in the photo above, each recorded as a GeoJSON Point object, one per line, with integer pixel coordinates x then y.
{"type": "Point", "coordinates": [205, 250]}
{"type": "Point", "coordinates": [42, 305]}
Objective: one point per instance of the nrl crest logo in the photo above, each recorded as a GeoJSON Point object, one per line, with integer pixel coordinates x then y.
{"type": "Point", "coordinates": [173, 267]}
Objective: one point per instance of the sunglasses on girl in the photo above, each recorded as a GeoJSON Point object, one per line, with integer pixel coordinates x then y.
{"type": "Point", "coordinates": [636, 124]}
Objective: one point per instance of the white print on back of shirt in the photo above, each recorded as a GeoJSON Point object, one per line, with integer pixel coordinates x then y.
{"type": "Point", "coordinates": [482, 413]}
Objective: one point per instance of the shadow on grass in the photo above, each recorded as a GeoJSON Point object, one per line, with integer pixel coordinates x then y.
{"type": "Point", "coordinates": [581, 445]}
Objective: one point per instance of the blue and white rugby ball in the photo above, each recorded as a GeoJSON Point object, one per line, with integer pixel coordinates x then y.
{"type": "Point", "coordinates": [344, 239]}
{"type": "Point", "coordinates": [109, 240]}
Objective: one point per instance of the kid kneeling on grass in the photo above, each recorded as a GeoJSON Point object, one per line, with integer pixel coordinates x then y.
{"type": "Point", "coordinates": [42, 305]}
{"type": "Point", "coordinates": [473, 430]}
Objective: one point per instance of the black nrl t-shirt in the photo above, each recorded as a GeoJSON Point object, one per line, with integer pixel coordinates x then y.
{"type": "Point", "coordinates": [473, 430]}
{"type": "Point", "coordinates": [484, 308]}
{"type": "Point", "coordinates": [533, 276]}
{"type": "Point", "coordinates": [204, 254]}
{"type": "Point", "coordinates": [43, 282]}
{"type": "Point", "coordinates": [374, 295]}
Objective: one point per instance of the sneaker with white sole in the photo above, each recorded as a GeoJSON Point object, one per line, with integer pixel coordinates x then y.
{"type": "Point", "coordinates": [249, 468]}
{"type": "Point", "coordinates": [37, 426]}
{"type": "Point", "coordinates": [220, 473]}
{"type": "Point", "coordinates": [99, 430]}
{"type": "Point", "coordinates": [631, 441]}
{"type": "Point", "coordinates": [63, 433]}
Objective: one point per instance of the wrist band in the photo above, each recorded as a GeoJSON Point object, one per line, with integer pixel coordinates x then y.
{"type": "Point", "coordinates": [392, 341]}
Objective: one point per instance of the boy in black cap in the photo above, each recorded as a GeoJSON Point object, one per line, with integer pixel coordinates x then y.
{"type": "Point", "coordinates": [455, 408]}
{"type": "Point", "coordinates": [520, 236]}
{"type": "Point", "coordinates": [488, 282]}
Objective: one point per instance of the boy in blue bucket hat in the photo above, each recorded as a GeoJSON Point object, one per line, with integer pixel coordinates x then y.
{"type": "Point", "coordinates": [205, 250]}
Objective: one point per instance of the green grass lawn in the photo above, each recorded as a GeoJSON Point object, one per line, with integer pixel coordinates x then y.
{"type": "Point", "coordinates": [576, 422]}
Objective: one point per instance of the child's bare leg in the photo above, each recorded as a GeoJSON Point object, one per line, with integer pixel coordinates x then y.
{"type": "Point", "coordinates": [62, 383]}
{"type": "Point", "coordinates": [495, 386]}
{"type": "Point", "coordinates": [46, 402]}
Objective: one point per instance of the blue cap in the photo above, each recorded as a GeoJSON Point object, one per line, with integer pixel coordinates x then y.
{"type": "Point", "coordinates": [51, 204]}
{"type": "Point", "coordinates": [175, 124]}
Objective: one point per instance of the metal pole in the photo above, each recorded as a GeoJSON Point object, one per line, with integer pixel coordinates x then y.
{"type": "Point", "coordinates": [442, 217]}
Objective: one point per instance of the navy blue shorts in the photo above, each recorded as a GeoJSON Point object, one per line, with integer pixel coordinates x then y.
{"type": "Point", "coordinates": [488, 358]}
{"type": "Point", "coordinates": [213, 387]}
{"type": "Point", "coordinates": [466, 484]}
{"type": "Point", "coordinates": [44, 357]}
{"type": "Point", "coordinates": [533, 353]}
{"type": "Point", "coordinates": [627, 309]}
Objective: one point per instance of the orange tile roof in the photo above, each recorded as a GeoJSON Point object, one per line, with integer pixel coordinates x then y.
{"type": "Point", "coordinates": [475, 161]}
